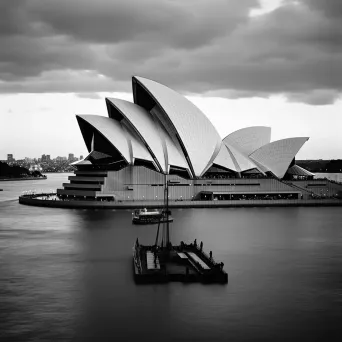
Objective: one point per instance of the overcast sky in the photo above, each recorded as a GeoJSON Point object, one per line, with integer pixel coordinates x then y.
{"type": "Point", "coordinates": [242, 62]}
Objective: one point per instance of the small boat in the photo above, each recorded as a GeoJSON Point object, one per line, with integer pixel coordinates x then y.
{"type": "Point", "coordinates": [144, 216]}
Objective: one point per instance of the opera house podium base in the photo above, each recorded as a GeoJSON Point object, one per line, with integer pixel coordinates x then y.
{"type": "Point", "coordinates": [52, 201]}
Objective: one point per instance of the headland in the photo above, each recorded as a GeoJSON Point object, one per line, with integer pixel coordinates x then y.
{"type": "Point", "coordinates": [18, 173]}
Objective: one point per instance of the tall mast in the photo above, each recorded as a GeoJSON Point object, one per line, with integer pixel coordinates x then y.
{"type": "Point", "coordinates": [167, 212]}
{"type": "Point", "coordinates": [165, 235]}
{"type": "Point", "coordinates": [165, 217]}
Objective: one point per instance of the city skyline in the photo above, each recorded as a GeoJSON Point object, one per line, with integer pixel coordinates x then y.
{"type": "Point", "coordinates": [240, 62]}
{"type": "Point", "coordinates": [43, 157]}
{"type": "Point", "coordinates": [44, 163]}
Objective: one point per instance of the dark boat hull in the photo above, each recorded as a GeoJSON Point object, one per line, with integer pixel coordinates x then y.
{"type": "Point", "coordinates": [173, 270]}
{"type": "Point", "coordinates": [150, 220]}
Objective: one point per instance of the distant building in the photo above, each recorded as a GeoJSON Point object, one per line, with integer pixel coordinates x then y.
{"type": "Point", "coordinates": [71, 157]}
{"type": "Point", "coordinates": [35, 167]}
{"type": "Point", "coordinates": [10, 158]}
{"type": "Point", "coordinates": [48, 157]}
{"type": "Point", "coordinates": [59, 159]}
{"type": "Point", "coordinates": [81, 157]}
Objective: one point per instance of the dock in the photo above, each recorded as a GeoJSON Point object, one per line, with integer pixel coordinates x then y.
{"type": "Point", "coordinates": [182, 263]}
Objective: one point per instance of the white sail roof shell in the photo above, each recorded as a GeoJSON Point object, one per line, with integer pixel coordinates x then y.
{"type": "Point", "coordinates": [81, 162]}
{"type": "Point", "coordinates": [299, 171]}
{"type": "Point", "coordinates": [120, 137]}
{"type": "Point", "coordinates": [225, 159]}
{"type": "Point", "coordinates": [176, 133]}
{"type": "Point", "coordinates": [111, 130]}
{"type": "Point", "coordinates": [242, 162]}
{"type": "Point", "coordinates": [199, 137]}
{"type": "Point", "coordinates": [144, 125]}
{"type": "Point", "coordinates": [173, 153]}
{"type": "Point", "coordinates": [277, 155]}
{"type": "Point", "coordinates": [136, 147]}
{"type": "Point", "coordinates": [249, 139]}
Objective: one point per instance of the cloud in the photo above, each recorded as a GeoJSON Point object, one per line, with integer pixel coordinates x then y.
{"type": "Point", "coordinates": [92, 96]}
{"type": "Point", "coordinates": [331, 8]}
{"type": "Point", "coordinates": [317, 97]}
{"type": "Point", "coordinates": [65, 81]}
{"type": "Point", "coordinates": [195, 47]}
{"type": "Point", "coordinates": [184, 24]}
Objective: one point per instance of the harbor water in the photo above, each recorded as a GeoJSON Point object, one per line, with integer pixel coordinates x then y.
{"type": "Point", "coordinates": [66, 274]}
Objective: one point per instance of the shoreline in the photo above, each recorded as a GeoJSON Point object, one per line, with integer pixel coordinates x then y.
{"type": "Point", "coordinates": [81, 204]}
{"type": "Point", "coordinates": [21, 179]}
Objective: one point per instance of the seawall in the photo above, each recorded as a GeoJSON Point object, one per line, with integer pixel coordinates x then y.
{"type": "Point", "coordinates": [84, 204]}
{"type": "Point", "coordinates": [21, 179]}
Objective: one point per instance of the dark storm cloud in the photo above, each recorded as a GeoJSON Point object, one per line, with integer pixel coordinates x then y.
{"type": "Point", "coordinates": [26, 56]}
{"type": "Point", "coordinates": [185, 23]}
{"type": "Point", "coordinates": [13, 17]}
{"type": "Point", "coordinates": [331, 8]}
{"type": "Point", "coordinates": [194, 46]}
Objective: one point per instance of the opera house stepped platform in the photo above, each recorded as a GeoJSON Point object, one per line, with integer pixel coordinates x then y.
{"type": "Point", "coordinates": [164, 135]}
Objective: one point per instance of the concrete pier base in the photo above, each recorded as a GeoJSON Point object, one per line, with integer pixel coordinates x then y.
{"type": "Point", "coordinates": [37, 200]}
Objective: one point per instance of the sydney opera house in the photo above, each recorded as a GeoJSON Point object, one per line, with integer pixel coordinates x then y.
{"type": "Point", "coordinates": [164, 135]}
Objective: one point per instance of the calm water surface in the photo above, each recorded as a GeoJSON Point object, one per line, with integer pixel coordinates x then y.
{"type": "Point", "coordinates": [67, 275]}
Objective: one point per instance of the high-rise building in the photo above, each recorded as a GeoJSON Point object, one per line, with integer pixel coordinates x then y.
{"type": "Point", "coordinates": [43, 158]}
{"type": "Point", "coordinates": [81, 157]}
{"type": "Point", "coordinates": [71, 157]}
{"type": "Point", "coordinates": [59, 159]}
{"type": "Point", "coordinates": [10, 158]}
{"type": "Point", "coordinates": [48, 157]}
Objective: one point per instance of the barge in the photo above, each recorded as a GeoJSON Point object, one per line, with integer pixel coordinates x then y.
{"type": "Point", "coordinates": [162, 262]}
{"type": "Point", "coordinates": [184, 263]}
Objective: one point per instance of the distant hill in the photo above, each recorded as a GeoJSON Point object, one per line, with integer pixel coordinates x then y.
{"type": "Point", "coordinates": [324, 166]}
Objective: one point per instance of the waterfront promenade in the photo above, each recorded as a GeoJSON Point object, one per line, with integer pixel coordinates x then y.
{"type": "Point", "coordinates": [51, 200]}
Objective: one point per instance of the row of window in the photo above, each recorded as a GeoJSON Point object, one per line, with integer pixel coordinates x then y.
{"type": "Point", "coordinates": [205, 184]}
